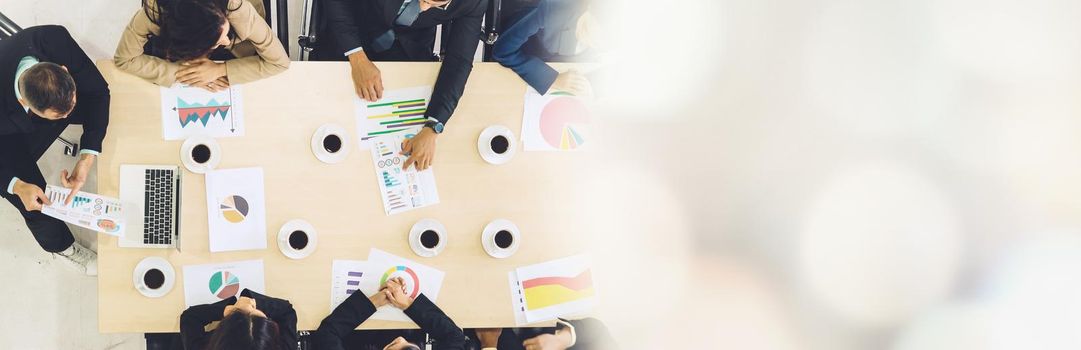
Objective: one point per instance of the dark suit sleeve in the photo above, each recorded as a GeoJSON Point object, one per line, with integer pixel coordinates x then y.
{"type": "Point", "coordinates": [508, 50]}
{"type": "Point", "coordinates": [12, 156]}
{"type": "Point", "coordinates": [194, 320]}
{"type": "Point", "coordinates": [92, 106]}
{"type": "Point", "coordinates": [434, 322]}
{"type": "Point", "coordinates": [342, 24]}
{"type": "Point", "coordinates": [592, 334]}
{"type": "Point", "coordinates": [281, 312]}
{"type": "Point", "coordinates": [342, 321]}
{"type": "Point", "coordinates": [464, 37]}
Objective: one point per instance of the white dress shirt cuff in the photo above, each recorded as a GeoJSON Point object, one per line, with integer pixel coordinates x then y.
{"type": "Point", "coordinates": [353, 51]}
{"type": "Point", "coordinates": [574, 337]}
{"type": "Point", "coordinates": [11, 185]}
{"type": "Point", "coordinates": [90, 151]}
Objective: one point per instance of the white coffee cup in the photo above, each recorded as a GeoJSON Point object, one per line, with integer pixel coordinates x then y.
{"type": "Point", "coordinates": [501, 238]}
{"type": "Point", "coordinates": [330, 143]}
{"type": "Point", "coordinates": [497, 145]}
{"type": "Point", "coordinates": [200, 154]}
{"type": "Point", "coordinates": [153, 277]}
{"type": "Point", "coordinates": [297, 239]}
{"type": "Point", "coordinates": [428, 238]}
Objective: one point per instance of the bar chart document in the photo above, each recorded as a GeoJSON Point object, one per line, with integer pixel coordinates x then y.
{"type": "Point", "coordinates": [400, 112]}
{"type": "Point", "coordinates": [87, 210]}
{"type": "Point", "coordinates": [401, 189]}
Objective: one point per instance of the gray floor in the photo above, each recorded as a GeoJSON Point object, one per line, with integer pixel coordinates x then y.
{"type": "Point", "coordinates": [49, 304]}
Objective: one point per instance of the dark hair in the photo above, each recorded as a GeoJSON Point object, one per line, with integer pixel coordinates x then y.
{"type": "Point", "coordinates": [240, 331]}
{"type": "Point", "coordinates": [47, 86]}
{"type": "Point", "coordinates": [187, 29]}
{"type": "Point", "coordinates": [409, 346]}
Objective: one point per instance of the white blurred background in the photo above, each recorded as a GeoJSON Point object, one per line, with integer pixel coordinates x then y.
{"type": "Point", "coordinates": [821, 174]}
{"type": "Point", "coordinates": [844, 174]}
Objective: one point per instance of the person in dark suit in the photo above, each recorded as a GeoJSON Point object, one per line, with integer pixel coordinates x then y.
{"type": "Point", "coordinates": [253, 321]}
{"type": "Point", "coordinates": [46, 83]}
{"type": "Point", "coordinates": [553, 30]}
{"type": "Point", "coordinates": [404, 30]}
{"type": "Point", "coordinates": [357, 308]}
{"type": "Point", "coordinates": [583, 334]}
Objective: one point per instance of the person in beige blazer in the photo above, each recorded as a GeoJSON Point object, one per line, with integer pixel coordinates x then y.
{"type": "Point", "coordinates": [183, 33]}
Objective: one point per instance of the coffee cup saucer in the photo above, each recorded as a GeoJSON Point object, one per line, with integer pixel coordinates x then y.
{"type": "Point", "coordinates": [283, 239]}
{"type": "Point", "coordinates": [487, 238]}
{"type": "Point", "coordinates": [321, 153]}
{"type": "Point", "coordinates": [484, 145]}
{"type": "Point", "coordinates": [190, 163]}
{"type": "Point", "coordinates": [153, 262]}
{"type": "Point", "coordinates": [418, 229]}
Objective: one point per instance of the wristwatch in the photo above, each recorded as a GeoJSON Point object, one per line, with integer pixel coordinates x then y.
{"type": "Point", "coordinates": [435, 125]}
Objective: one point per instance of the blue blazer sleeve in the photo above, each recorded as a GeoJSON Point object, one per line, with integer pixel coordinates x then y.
{"type": "Point", "coordinates": [508, 50]}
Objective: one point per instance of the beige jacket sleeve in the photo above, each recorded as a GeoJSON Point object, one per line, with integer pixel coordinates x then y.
{"type": "Point", "coordinates": [129, 55]}
{"type": "Point", "coordinates": [259, 52]}
{"type": "Point", "coordinates": [251, 29]}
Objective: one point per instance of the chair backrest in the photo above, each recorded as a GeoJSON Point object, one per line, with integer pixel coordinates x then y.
{"type": "Point", "coordinates": [501, 15]}
{"type": "Point", "coordinates": [282, 11]}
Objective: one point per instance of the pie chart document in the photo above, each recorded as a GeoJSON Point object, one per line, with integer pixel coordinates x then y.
{"type": "Point", "coordinates": [236, 209]}
{"type": "Point", "coordinates": [211, 283]}
{"type": "Point", "coordinates": [557, 121]}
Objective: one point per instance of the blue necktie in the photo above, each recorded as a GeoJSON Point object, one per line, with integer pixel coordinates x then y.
{"type": "Point", "coordinates": [406, 17]}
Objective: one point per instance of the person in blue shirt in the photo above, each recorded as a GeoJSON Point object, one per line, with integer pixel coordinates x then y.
{"type": "Point", "coordinates": [553, 30]}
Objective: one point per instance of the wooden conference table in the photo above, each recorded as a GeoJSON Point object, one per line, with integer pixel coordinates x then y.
{"type": "Point", "coordinates": [538, 191]}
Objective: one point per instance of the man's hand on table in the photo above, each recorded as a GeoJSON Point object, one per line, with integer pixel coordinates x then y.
{"type": "Point", "coordinates": [367, 80]}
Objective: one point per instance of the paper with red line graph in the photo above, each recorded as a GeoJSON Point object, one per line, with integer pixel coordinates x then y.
{"type": "Point", "coordinates": [553, 289]}
{"type": "Point", "coordinates": [401, 189]}
{"type": "Point", "coordinates": [188, 111]}
{"type": "Point", "coordinates": [400, 112]}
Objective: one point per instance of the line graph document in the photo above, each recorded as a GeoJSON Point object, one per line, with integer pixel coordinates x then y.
{"type": "Point", "coordinates": [188, 111]}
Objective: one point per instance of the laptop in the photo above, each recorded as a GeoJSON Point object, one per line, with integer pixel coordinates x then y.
{"type": "Point", "coordinates": [151, 198]}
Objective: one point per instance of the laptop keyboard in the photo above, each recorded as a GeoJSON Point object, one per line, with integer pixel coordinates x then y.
{"type": "Point", "coordinates": [158, 207]}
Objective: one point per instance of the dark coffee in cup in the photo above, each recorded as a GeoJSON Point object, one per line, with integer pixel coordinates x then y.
{"type": "Point", "coordinates": [429, 239]}
{"type": "Point", "coordinates": [500, 144]}
{"type": "Point", "coordinates": [503, 239]}
{"type": "Point", "coordinates": [298, 239]}
{"type": "Point", "coordinates": [332, 143]}
{"type": "Point", "coordinates": [154, 278]}
{"type": "Point", "coordinates": [201, 154]}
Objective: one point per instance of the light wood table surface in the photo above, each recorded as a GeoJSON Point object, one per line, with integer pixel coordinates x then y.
{"type": "Point", "coordinates": [538, 191]}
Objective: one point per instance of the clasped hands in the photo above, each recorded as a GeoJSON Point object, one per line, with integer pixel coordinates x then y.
{"type": "Point", "coordinates": [203, 73]}
{"type": "Point", "coordinates": [393, 293]}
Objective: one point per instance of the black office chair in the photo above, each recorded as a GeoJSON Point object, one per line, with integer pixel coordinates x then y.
{"type": "Point", "coordinates": [501, 15]}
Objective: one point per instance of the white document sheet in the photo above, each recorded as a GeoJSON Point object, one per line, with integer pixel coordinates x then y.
{"type": "Point", "coordinates": [548, 290]}
{"type": "Point", "coordinates": [399, 112]}
{"type": "Point", "coordinates": [188, 111]}
{"type": "Point", "coordinates": [210, 283]}
{"type": "Point", "coordinates": [557, 121]}
{"type": "Point", "coordinates": [419, 279]}
{"type": "Point", "coordinates": [236, 209]}
{"type": "Point", "coordinates": [401, 190]}
{"type": "Point", "coordinates": [345, 279]}
{"type": "Point", "coordinates": [87, 210]}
